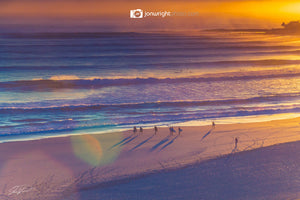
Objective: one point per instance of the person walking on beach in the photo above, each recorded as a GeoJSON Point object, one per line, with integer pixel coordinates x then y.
{"type": "Point", "coordinates": [179, 130]}
{"type": "Point", "coordinates": [236, 142]}
{"type": "Point", "coordinates": [141, 130]}
{"type": "Point", "coordinates": [134, 130]}
{"type": "Point", "coordinates": [173, 130]}
{"type": "Point", "coordinates": [213, 124]}
{"type": "Point", "coordinates": [155, 130]}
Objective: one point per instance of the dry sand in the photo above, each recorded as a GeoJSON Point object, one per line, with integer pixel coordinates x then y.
{"type": "Point", "coordinates": [56, 168]}
{"type": "Point", "coordinates": [268, 173]}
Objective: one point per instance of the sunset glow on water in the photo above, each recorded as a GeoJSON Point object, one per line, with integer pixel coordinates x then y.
{"type": "Point", "coordinates": [54, 84]}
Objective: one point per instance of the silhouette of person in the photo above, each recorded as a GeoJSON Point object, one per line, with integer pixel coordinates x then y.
{"type": "Point", "coordinates": [173, 130]}
{"type": "Point", "coordinates": [213, 124]}
{"type": "Point", "coordinates": [179, 130]}
{"type": "Point", "coordinates": [236, 142]}
{"type": "Point", "coordinates": [134, 129]}
{"type": "Point", "coordinates": [141, 130]}
{"type": "Point", "coordinates": [155, 129]}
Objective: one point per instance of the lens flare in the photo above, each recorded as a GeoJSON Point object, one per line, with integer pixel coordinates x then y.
{"type": "Point", "coordinates": [96, 150]}
{"type": "Point", "coordinates": [87, 148]}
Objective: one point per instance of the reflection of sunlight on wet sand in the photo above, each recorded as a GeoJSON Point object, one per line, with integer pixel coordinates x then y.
{"type": "Point", "coordinates": [34, 175]}
{"type": "Point", "coordinates": [96, 150]}
{"type": "Point", "coordinates": [240, 120]}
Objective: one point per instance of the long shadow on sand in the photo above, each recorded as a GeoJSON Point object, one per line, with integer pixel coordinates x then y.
{"type": "Point", "coordinates": [209, 132]}
{"type": "Point", "coordinates": [129, 140]}
{"type": "Point", "coordinates": [140, 144]}
{"type": "Point", "coordinates": [169, 143]}
{"type": "Point", "coordinates": [122, 141]}
{"type": "Point", "coordinates": [160, 143]}
{"type": "Point", "coordinates": [234, 150]}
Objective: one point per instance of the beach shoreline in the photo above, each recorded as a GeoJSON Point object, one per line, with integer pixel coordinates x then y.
{"type": "Point", "coordinates": [106, 157]}
{"type": "Point", "coordinates": [193, 123]}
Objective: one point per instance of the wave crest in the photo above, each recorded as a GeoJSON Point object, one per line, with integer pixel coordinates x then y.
{"type": "Point", "coordinates": [74, 82]}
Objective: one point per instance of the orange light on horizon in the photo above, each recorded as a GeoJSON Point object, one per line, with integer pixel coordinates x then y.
{"type": "Point", "coordinates": [260, 13]}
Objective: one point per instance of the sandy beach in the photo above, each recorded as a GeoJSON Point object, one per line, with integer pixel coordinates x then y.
{"type": "Point", "coordinates": [94, 166]}
{"type": "Point", "coordinates": [266, 173]}
{"type": "Point", "coordinates": [149, 100]}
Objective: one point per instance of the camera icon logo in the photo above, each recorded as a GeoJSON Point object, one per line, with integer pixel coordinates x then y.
{"type": "Point", "coordinates": [137, 13]}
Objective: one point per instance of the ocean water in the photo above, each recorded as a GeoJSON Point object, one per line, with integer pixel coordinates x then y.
{"type": "Point", "coordinates": [66, 83]}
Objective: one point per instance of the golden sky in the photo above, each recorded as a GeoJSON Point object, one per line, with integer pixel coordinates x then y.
{"type": "Point", "coordinates": [115, 14]}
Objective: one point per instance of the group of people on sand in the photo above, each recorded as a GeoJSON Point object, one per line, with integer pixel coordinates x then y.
{"type": "Point", "coordinates": [135, 129]}
{"type": "Point", "coordinates": [172, 130]}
